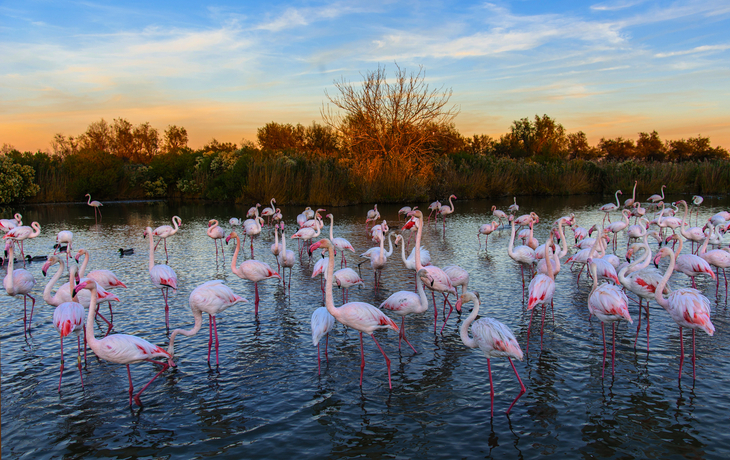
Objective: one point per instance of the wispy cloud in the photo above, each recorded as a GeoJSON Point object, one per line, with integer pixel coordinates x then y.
{"type": "Point", "coordinates": [698, 49]}
{"type": "Point", "coordinates": [296, 17]}
{"type": "Point", "coordinates": [614, 6]}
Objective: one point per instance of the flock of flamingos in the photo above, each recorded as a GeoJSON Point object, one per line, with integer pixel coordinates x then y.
{"type": "Point", "coordinates": [613, 281]}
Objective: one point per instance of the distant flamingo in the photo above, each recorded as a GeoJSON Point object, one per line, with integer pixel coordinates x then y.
{"type": "Point", "coordinates": [523, 255]}
{"type": "Point", "coordinates": [276, 247]}
{"type": "Point", "coordinates": [163, 232]}
{"type": "Point", "coordinates": [251, 270]}
{"type": "Point", "coordinates": [211, 297]}
{"type": "Point", "coordinates": [23, 233]}
{"type": "Point", "coordinates": [67, 318]}
{"type": "Point", "coordinates": [234, 221]}
{"type": "Point", "coordinates": [410, 261]}
{"type": "Point", "coordinates": [486, 230]}
{"type": "Point", "coordinates": [305, 234]}
{"type": "Point", "coordinates": [693, 234]}
{"type": "Point", "coordinates": [657, 198]}
{"type": "Point", "coordinates": [378, 260]}
{"type": "Point", "coordinates": [278, 216]}
{"type": "Point", "coordinates": [514, 207]}
{"type": "Point", "coordinates": [94, 204]}
{"type": "Point", "coordinates": [268, 212]}
{"type": "Point", "coordinates": [404, 210]}
{"type": "Point", "coordinates": [163, 277]}
{"type": "Point", "coordinates": [638, 211]}
{"type": "Point", "coordinates": [687, 307]}
{"type": "Point", "coordinates": [617, 227]}
{"type": "Point", "coordinates": [122, 348]}
{"type": "Point", "coordinates": [341, 244]}
{"type": "Point", "coordinates": [498, 214]}
{"type": "Point", "coordinates": [253, 211]}
{"type": "Point", "coordinates": [404, 303]}
{"type": "Point", "coordinates": [630, 202]}
{"type": "Point", "coordinates": [8, 224]}
{"type": "Point", "coordinates": [493, 338]}
{"type": "Point", "coordinates": [216, 233]}
{"type": "Point", "coordinates": [19, 282]}
{"type": "Point", "coordinates": [718, 258]}
{"type": "Point", "coordinates": [286, 257]}
{"type": "Point", "coordinates": [433, 207]}
{"type": "Point", "coordinates": [372, 216]}
{"type": "Point", "coordinates": [360, 316]}
{"type": "Point", "coordinates": [322, 323]}
{"type": "Point", "coordinates": [696, 201]}
{"type": "Point", "coordinates": [64, 237]}
{"type": "Point", "coordinates": [252, 228]}
{"type": "Point", "coordinates": [609, 304]}
{"type": "Point", "coordinates": [447, 210]}
{"type": "Point", "coordinates": [345, 279]}
{"type": "Point", "coordinates": [607, 208]}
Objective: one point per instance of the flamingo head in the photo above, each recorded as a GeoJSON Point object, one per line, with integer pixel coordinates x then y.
{"type": "Point", "coordinates": [211, 222]}
{"type": "Point", "coordinates": [78, 255]}
{"type": "Point", "coordinates": [415, 213]}
{"type": "Point", "coordinates": [324, 242]}
{"type": "Point", "coordinates": [51, 260]}
{"type": "Point", "coordinates": [231, 235]}
{"type": "Point", "coordinates": [86, 284]}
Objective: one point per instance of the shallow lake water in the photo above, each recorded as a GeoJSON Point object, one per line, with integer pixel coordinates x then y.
{"type": "Point", "coordinates": [266, 399]}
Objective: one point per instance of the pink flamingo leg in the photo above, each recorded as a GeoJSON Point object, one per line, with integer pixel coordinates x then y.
{"type": "Point", "coordinates": [256, 308]}
{"type": "Point", "coordinates": [387, 360]}
{"type": "Point", "coordinates": [681, 352]}
{"type": "Point", "coordinates": [522, 386]}
{"type": "Point", "coordinates": [403, 333]}
{"type": "Point", "coordinates": [210, 335]}
{"type": "Point", "coordinates": [167, 308]}
{"type": "Point", "coordinates": [32, 308]}
{"type": "Point", "coordinates": [362, 359]}
{"type": "Point", "coordinates": [61, 373]}
{"type": "Point", "coordinates": [451, 308]}
{"type": "Point", "coordinates": [78, 359]}
{"type": "Point", "coordinates": [529, 327]}
{"type": "Point", "coordinates": [164, 368]}
{"type": "Point", "coordinates": [491, 387]}
{"type": "Point", "coordinates": [542, 323]}
{"type": "Point", "coordinates": [648, 326]}
{"type": "Point", "coordinates": [319, 363]}
{"type": "Point", "coordinates": [603, 330]}
{"type": "Point", "coordinates": [435, 310]}
{"type": "Point", "coordinates": [131, 387]}
{"type": "Point", "coordinates": [694, 375]}
{"type": "Point", "coordinates": [215, 330]}
{"type": "Point", "coordinates": [613, 352]}
{"type": "Point", "coordinates": [639, 326]}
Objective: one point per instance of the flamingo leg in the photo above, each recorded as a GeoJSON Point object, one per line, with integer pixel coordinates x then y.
{"type": "Point", "coordinates": [681, 352]}
{"type": "Point", "coordinates": [215, 330]}
{"type": "Point", "coordinates": [522, 385]}
{"type": "Point", "coordinates": [164, 368]}
{"type": "Point", "coordinates": [387, 361]}
{"type": "Point", "coordinates": [435, 311]}
{"type": "Point", "coordinates": [326, 344]}
{"type": "Point", "coordinates": [167, 309]}
{"type": "Point", "coordinates": [319, 363]}
{"type": "Point", "coordinates": [613, 352]}
{"type": "Point", "coordinates": [210, 335]}
{"type": "Point", "coordinates": [61, 372]}
{"type": "Point", "coordinates": [403, 333]}
{"type": "Point", "coordinates": [362, 358]}
{"type": "Point", "coordinates": [451, 308]}
{"type": "Point", "coordinates": [32, 307]}
{"type": "Point", "coordinates": [529, 327]}
{"type": "Point", "coordinates": [694, 375]}
{"type": "Point", "coordinates": [603, 330]}
{"type": "Point", "coordinates": [256, 309]}
{"type": "Point", "coordinates": [166, 256]}
{"type": "Point", "coordinates": [131, 387]}
{"type": "Point", "coordinates": [491, 387]}
{"type": "Point", "coordinates": [639, 326]}
{"type": "Point", "coordinates": [78, 359]}
{"type": "Point", "coordinates": [542, 324]}
{"type": "Point", "coordinates": [648, 326]}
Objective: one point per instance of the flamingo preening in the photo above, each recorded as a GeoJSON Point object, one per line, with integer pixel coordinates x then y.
{"type": "Point", "coordinates": [404, 303]}
{"type": "Point", "coordinates": [163, 277]}
{"type": "Point", "coordinates": [322, 323]}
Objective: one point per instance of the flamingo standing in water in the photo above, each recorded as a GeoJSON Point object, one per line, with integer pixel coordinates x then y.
{"type": "Point", "coordinates": [8, 224]}
{"type": "Point", "coordinates": [696, 202]}
{"type": "Point", "coordinates": [435, 206]}
{"type": "Point", "coordinates": [610, 305]}
{"type": "Point", "coordinates": [607, 208]}
{"type": "Point", "coordinates": [404, 210]}
{"type": "Point", "coordinates": [493, 338]}
{"type": "Point", "coordinates": [687, 307]}
{"type": "Point", "coordinates": [690, 264]}
{"type": "Point", "coordinates": [64, 236]}
{"type": "Point", "coordinates": [499, 215]}
{"type": "Point", "coordinates": [105, 279]}
{"type": "Point", "coordinates": [163, 232]}
{"type": "Point", "coordinates": [719, 258]}
{"type": "Point", "coordinates": [404, 303]}
{"type": "Point", "coordinates": [216, 233]}
{"type": "Point", "coordinates": [163, 277]}
{"type": "Point", "coordinates": [437, 280]}
{"type": "Point", "coordinates": [67, 318]}
{"type": "Point", "coordinates": [541, 291]}
{"type": "Point", "coordinates": [251, 270]}
{"type": "Point", "coordinates": [486, 230]}
{"type": "Point", "coordinates": [360, 316]}
{"type": "Point", "coordinates": [523, 255]}
{"type": "Point", "coordinates": [277, 247]}
{"type": "Point", "coordinates": [447, 210]}
{"type": "Point", "coordinates": [286, 257]}
{"type": "Point", "coordinates": [341, 244]}
{"type": "Point", "coordinates": [656, 198]}
{"type": "Point", "coordinates": [372, 216]}
{"type": "Point", "coordinates": [345, 279]}
{"type": "Point", "coordinates": [322, 323]}
{"type": "Point", "coordinates": [19, 282]}
{"type": "Point", "coordinates": [514, 207]}
{"type": "Point", "coordinates": [94, 204]}
{"type": "Point", "coordinates": [23, 233]}
{"type": "Point", "coordinates": [269, 212]}
{"type": "Point", "coordinates": [693, 234]}
{"type": "Point", "coordinates": [122, 348]}
{"type": "Point", "coordinates": [211, 297]}
{"type": "Point", "coordinates": [630, 202]}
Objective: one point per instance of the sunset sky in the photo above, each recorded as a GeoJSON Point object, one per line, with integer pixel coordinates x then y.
{"type": "Point", "coordinates": [223, 69]}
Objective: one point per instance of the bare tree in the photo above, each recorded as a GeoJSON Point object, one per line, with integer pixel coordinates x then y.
{"type": "Point", "coordinates": [391, 122]}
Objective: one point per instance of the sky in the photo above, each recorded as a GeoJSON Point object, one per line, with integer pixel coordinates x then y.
{"type": "Point", "coordinates": [224, 69]}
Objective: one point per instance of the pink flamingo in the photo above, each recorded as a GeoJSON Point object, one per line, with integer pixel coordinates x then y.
{"type": "Point", "coordinates": [630, 202]}
{"type": "Point", "coordinates": [379, 259]}
{"type": "Point", "coordinates": [493, 338]}
{"type": "Point", "coordinates": [433, 207]}
{"type": "Point", "coordinates": [514, 207]}
{"type": "Point", "coordinates": [410, 261]}
{"type": "Point", "coordinates": [211, 297]}
{"type": "Point", "coordinates": [404, 210]}
{"type": "Point", "coordinates": [607, 208]}
{"type": "Point", "coordinates": [656, 198]}
{"type": "Point", "coordinates": [163, 277]}
{"type": "Point", "coordinates": [447, 210]}
{"type": "Point", "coordinates": [322, 323]}
{"type": "Point", "coordinates": [106, 279]}
{"type": "Point", "coordinates": [23, 233]}
{"type": "Point", "coordinates": [216, 233]}
{"type": "Point", "coordinates": [252, 270]}
{"type": "Point", "coordinates": [404, 303]}
{"type": "Point", "coordinates": [8, 224]}
{"type": "Point", "coordinates": [360, 316]}
{"type": "Point", "coordinates": [285, 258]}
{"type": "Point", "coordinates": [64, 236]}
{"type": "Point", "coordinates": [718, 258]}
{"type": "Point", "coordinates": [122, 348]}
{"type": "Point", "coordinates": [277, 247]}
{"type": "Point", "coordinates": [341, 244]}
{"type": "Point", "coordinates": [67, 318]}
{"type": "Point", "coordinates": [609, 304]}
{"type": "Point", "coordinates": [19, 282]}
{"type": "Point", "coordinates": [268, 212]}
{"type": "Point", "coordinates": [693, 234]}
{"type": "Point", "coordinates": [306, 234]}
{"type": "Point", "coordinates": [687, 307]}
{"type": "Point", "coordinates": [696, 202]}
{"type": "Point", "coordinates": [499, 215]}
{"type": "Point", "coordinates": [345, 279]}
{"type": "Point", "coordinates": [638, 211]}
{"type": "Point", "coordinates": [690, 264]}
{"type": "Point", "coordinates": [541, 291]}
{"type": "Point", "coordinates": [163, 232]}
{"type": "Point", "coordinates": [617, 227]}
{"type": "Point", "coordinates": [458, 277]}
{"type": "Point", "coordinates": [96, 205]}
{"type": "Point", "coordinates": [523, 255]}
{"type": "Point", "coordinates": [486, 230]}
{"type": "Point", "coordinates": [253, 211]}
{"type": "Point", "coordinates": [438, 280]}
{"type": "Point", "coordinates": [372, 216]}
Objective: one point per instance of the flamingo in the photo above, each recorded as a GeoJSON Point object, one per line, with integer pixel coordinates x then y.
{"type": "Point", "coordinates": [286, 257]}
{"type": "Point", "coordinates": [514, 207]}
{"type": "Point", "coordinates": [404, 210]}
{"type": "Point", "coordinates": [253, 211]}
{"type": "Point", "coordinates": [404, 303]}
{"type": "Point", "coordinates": [322, 323]}
{"type": "Point", "coordinates": [23, 233]}
{"type": "Point", "coordinates": [438, 279]}
{"type": "Point", "coordinates": [541, 291]}
{"type": "Point", "coordinates": [379, 259]}
{"type": "Point", "coordinates": [696, 201]}
{"type": "Point", "coordinates": [630, 202]}
{"type": "Point", "coordinates": [523, 255]}
{"type": "Point", "coordinates": [664, 222]}
{"type": "Point", "coordinates": [163, 277]}
{"type": "Point", "coordinates": [96, 205]}
{"type": "Point", "coordinates": [269, 211]}
{"type": "Point", "coordinates": [360, 316]}
{"type": "Point", "coordinates": [720, 218]}
{"type": "Point", "coordinates": [278, 216]}
{"type": "Point", "coordinates": [345, 279]}
{"type": "Point", "coordinates": [609, 304]}
{"type": "Point", "coordinates": [106, 279]}
{"type": "Point", "coordinates": [234, 221]}
{"type": "Point", "coordinates": [637, 231]}
{"type": "Point", "coordinates": [216, 233]}
{"type": "Point", "coordinates": [638, 211]}
{"type": "Point", "coordinates": [211, 297]}
{"type": "Point", "coordinates": [303, 217]}
{"type": "Point", "coordinates": [8, 224]}
{"type": "Point", "coordinates": [493, 338]}
{"type": "Point", "coordinates": [382, 228]}
{"type": "Point", "coordinates": [252, 228]}
{"type": "Point", "coordinates": [718, 258]}
{"type": "Point", "coordinates": [486, 230]}
{"type": "Point", "coordinates": [607, 208]}
{"type": "Point", "coordinates": [542, 265]}
{"type": "Point", "coordinates": [373, 215]}
{"type": "Point", "coordinates": [693, 234]}
{"type": "Point", "coordinates": [687, 307]}
{"type": "Point", "coordinates": [433, 207]}
{"type": "Point", "coordinates": [306, 234]}
{"type": "Point", "coordinates": [447, 210]}
{"type": "Point", "coordinates": [67, 318]}
{"type": "Point", "coordinates": [163, 232]}
{"type": "Point", "coordinates": [656, 198]}
{"type": "Point", "coordinates": [276, 247]}
{"type": "Point", "coordinates": [19, 282]}
{"type": "Point", "coordinates": [64, 236]}
{"type": "Point", "coordinates": [251, 270]}
{"type": "Point", "coordinates": [498, 214]}
{"type": "Point", "coordinates": [617, 227]}
{"type": "Point", "coordinates": [340, 243]}
{"type": "Point", "coordinates": [122, 348]}
{"type": "Point", "coordinates": [690, 264]}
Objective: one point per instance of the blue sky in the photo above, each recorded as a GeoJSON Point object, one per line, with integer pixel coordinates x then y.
{"type": "Point", "coordinates": [224, 69]}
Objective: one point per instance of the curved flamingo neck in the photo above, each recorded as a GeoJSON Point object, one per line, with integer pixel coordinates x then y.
{"type": "Point", "coordinates": [90, 337]}
{"type": "Point", "coordinates": [421, 293]}
{"type": "Point", "coordinates": [52, 282]}
{"type": "Point", "coordinates": [633, 195]}
{"type": "Point", "coordinates": [563, 241]}
{"type": "Point", "coordinates": [617, 202]}
{"type": "Point", "coordinates": [464, 330]}
{"type": "Point", "coordinates": [681, 227]}
{"type": "Point", "coordinates": [593, 269]}
{"type": "Point", "coordinates": [451, 204]}
{"type": "Point", "coordinates": [82, 269]}
{"type": "Point", "coordinates": [11, 262]}
{"type": "Point", "coordinates": [390, 245]}
{"type": "Point", "coordinates": [548, 258]}
{"type": "Point", "coordinates": [234, 260]}
{"type": "Point", "coordinates": [332, 224]}
{"type": "Point", "coordinates": [198, 316]}
{"type": "Point", "coordinates": [419, 266]}
{"type": "Point", "coordinates": [663, 283]}
{"type": "Point", "coordinates": [511, 245]}
{"type": "Point", "coordinates": [329, 301]}
{"type": "Point", "coordinates": [663, 191]}
{"type": "Point", "coordinates": [152, 248]}
{"type": "Point", "coordinates": [89, 202]}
